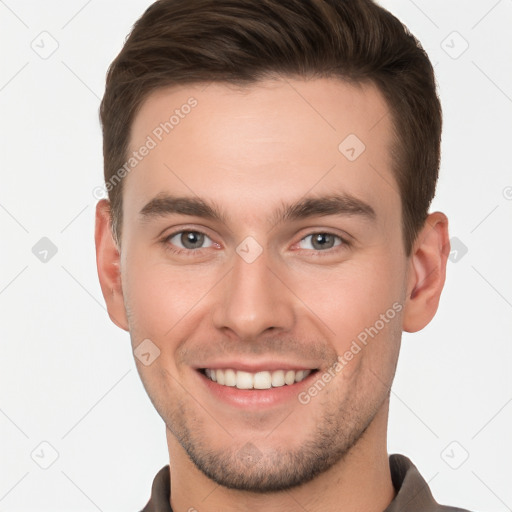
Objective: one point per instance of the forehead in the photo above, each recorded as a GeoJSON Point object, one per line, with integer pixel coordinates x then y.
{"type": "Point", "coordinates": [272, 140]}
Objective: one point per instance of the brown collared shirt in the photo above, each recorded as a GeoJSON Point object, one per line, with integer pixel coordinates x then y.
{"type": "Point", "coordinates": [412, 492]}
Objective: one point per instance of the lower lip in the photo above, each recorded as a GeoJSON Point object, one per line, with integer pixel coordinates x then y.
{"type": "Point", "coordinates": [251, 398]}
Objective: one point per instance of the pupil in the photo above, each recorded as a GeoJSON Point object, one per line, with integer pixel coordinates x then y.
{"type": "Point", "coordinates": [323, 240]}
{"type": "Point", "coordinates": [192, 240]}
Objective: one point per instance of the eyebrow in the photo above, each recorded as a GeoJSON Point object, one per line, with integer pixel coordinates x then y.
{"type": "Point", "coordinates": [314, 206]}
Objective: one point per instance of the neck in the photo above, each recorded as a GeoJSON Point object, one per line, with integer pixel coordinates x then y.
{"type": "Point", "coordinates": [360, 482]}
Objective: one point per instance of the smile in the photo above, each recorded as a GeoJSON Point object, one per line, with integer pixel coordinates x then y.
{"type": "Point", "coordinates": [258, 380]}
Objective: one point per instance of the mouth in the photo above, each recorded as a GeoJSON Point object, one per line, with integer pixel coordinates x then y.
{"type": "Point", "coordinates": [261, 380]}
{"type": "Point", "coordinates": [255, 384]}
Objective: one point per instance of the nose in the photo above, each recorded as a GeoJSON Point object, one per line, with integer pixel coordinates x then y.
{"type": "Point", "coordinates": [254, 299]}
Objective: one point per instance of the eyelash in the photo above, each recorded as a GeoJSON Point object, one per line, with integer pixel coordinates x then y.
{"type": "Point", "coordinates": [198, 252]}
{"type": "Point", "coordinates": [187, 252]}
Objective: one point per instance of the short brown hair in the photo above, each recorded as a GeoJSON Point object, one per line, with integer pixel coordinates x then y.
{"type": "Point", "coordinates": [240, 42]}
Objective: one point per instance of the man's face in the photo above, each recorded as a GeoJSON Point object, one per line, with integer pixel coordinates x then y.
{"type": "Point", "coordinates": [266, 288]}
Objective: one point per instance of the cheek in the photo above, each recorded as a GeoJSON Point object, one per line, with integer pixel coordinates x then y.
{"type": "Point", "coordinates": [160, 296]}
{"type": "Point", "coordinates": [361, 303]}
{"type": "Point", "coordinates": [351, 298]}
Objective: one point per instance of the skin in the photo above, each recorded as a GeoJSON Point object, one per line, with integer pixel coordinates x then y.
{"type": "Point", "coordinates": [250, 151]}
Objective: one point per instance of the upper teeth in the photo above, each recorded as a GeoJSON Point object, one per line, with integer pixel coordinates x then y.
{"type": "Point", "coordinates": [259, 380]}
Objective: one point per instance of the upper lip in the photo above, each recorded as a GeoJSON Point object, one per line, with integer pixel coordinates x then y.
{"type": "Point", "coordinates": [254, 367]}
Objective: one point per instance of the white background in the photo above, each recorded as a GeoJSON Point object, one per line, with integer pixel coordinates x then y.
{"type": "Point", "coordinates": [67, 375]}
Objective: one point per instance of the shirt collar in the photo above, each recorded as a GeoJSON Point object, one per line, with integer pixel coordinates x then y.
{"type": "Point", "coordinates": [412, 491]}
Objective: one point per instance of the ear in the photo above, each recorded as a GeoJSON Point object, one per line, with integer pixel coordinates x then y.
{"type": "Point", "coordinates": [108, 264]}
{"type": "Point", "coordinates": [427, 272]}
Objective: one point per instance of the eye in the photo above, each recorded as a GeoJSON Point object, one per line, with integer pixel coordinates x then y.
{"type": "Point", "coordinates": [320, 241]}
{"type": "Point", "coordinates": [189, 240]}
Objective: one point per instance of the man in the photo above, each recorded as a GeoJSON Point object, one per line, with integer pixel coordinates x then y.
{"type": "Point", "coordinates": [267, 239]}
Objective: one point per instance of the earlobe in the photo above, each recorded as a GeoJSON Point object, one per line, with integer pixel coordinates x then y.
{"type": "Point", "coordinates": [427, 272]}
{"type": "Point", "coordinates": [108, 265]}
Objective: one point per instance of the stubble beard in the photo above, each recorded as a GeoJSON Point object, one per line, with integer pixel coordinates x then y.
{"type": "Point", "coordinates": [254, 467]}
